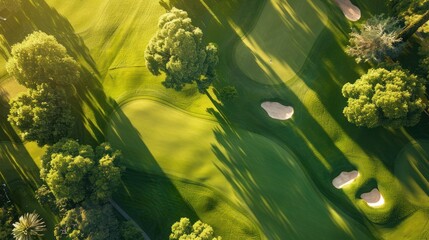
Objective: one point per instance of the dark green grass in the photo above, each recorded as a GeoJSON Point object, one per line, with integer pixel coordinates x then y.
{"type": "Point", "coordinates": [318, 135]}
{"type": "Point", "coordinates": [156, 203]}
{"type": "Point", "coordinates": [21, 176]}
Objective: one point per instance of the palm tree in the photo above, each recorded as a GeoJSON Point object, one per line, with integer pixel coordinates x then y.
{"type": "Point", "coordinates": [28, 226]}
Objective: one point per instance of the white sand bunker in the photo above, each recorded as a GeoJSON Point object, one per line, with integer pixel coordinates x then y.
{"type": "Point", "coordinates": [373, 198]}
{"type": "Point", "coordinates": [277, 111]}
{"type": "Point", "coordinates": [345, 178]}
{"type": "Point", "coordinates": [351, 12]}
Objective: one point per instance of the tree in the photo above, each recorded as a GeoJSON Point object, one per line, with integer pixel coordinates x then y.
{"type": "Point", "coordinates": [199, 231]}
{"type": "Point", "coordinates": [414, 13]}
{"type": "Point", "coordinates": [42, 115]}
{"type": "Point", "coordinates": [11, 5]}
{"type": "Point", "coordinates": [377, 39]}
{"type": "Point", "coordinates": [77, 173]}
{"type": "Point", "coordinates": [41, 59]}
{"type": "Point", "coordinates": [130, 232]}
{"type": "Point", "coordinates": [8, 213]}
{"type": "Point", "coordinates": [227, 93]}
{"type": "Point", "coordinates": [177, 49]}
{"type": "Point", "coordinates": [45, 197]}
{"type": "Point", "coordinates": [404, 8]}
{"type": "Point", "coordinates": [385, 98]}
{"type": "Point", "coordinates": [6, 221]}
{"type": "Point", "coordinates": [412, 28]}
{"type": "Point", "coordinates": [29, 225]}
{"type": "Point", "coordinates": [89, 223]}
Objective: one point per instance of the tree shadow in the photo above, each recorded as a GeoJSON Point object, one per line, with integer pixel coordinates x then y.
{"type": "Point", "coordinates": [314, 141]}
{"type": "Point", "coordinates": [277, 191]}
{"type": "Point", "coordinates": [331, 78]}
{"type": "Point", "coordinates": [147, 194]}
{"type": "Point", "coordinates": [98, 115]}
{"type": "Point", "coordinates": [18, 170]}
{"type": "Point", "coordinates": [7, 133]}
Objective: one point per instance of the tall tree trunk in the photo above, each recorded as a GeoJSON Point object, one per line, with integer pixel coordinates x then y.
{"type": "Point", "coordinates": [409, 30]}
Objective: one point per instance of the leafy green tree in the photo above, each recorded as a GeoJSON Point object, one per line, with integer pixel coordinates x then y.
{"type": "Point", "coordinates": [45, 197]}
{"type": "Point", "coordinates": [199, 231]}
{"type": "Point", "coordinates": [8, 213]}
{"type": "Point", "coordinates": [105, 177]}
{"type": "Point", "coordinates": [89, 223]}
{"type": "Point", "coordinates": [130, 232]}
{"type": "Point", "coordinates": [11, 5]}
{"type": "Point", "coordinates": [28, 227]}
{"type": "Point", "coordinates": [41, 115]}
{"type": "Point", "coordinates": [177, 49]}
{"type": "Point", "coordinates": [404, 8]}
{"type": "Point", "coordinates": [77, 173]}
{"type": "Point", "coordinates": [41, 59]}
{"type": "Point", "coordinates": [385, 98]}
{"type": "Point", "coordinates": [414, 13]}
{"type": "Point", "coordinates": [5, 224]}
{"type": "Point", "coordinates": [376, 40]}
{"type": "Point", "coordinates": [67, 177]}
{"type": "Point", "coordinates": [227, 93]}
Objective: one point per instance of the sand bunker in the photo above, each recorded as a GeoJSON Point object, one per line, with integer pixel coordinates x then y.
{"type": "Point", "coordinates": [345, 178]}
{"type": "Point", "coordinates": [351, 12]}
{"type": "Point", "coordinates": [373, 198]}
{"type": "Point", "coordinates": [277, 111]}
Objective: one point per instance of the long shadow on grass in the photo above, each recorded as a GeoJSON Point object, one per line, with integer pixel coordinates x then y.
{"type": "Point", "coordinates": [327, 82]}
{"type": "Point", "coordinates": [37, 15]}
{"type": "Point", "coordinates": [18, 170]}
{"type": "Point", "coordinates": [312, 145]}
{"type": "Point", "coordinates": [97, 114]}
{"type": "Point", "coordinates": [312, 141]}
{"type": "Point", "coordinates": [278, 193]}
{"type": "Point", "coordinates": [150, 199]}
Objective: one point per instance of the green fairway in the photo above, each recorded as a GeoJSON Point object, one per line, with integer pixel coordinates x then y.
{"type": "Point", "coordinates": [171, 199]}
{"type": "Point", "coordinates": [220, 153]}
{"type": "Point", "coordinates": [229, 164]}
{"type": "Point", "coordinates": [277, 47]}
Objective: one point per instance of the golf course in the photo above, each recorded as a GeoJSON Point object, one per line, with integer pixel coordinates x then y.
{"type": "Point", "coordinates": [241, 165]}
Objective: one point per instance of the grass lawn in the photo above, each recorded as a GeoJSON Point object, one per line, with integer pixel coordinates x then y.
{"type": "Point", "coordinates": [229, 164]}
{"type": "Point", "coordinates": [253, 172]}
{"type": "Point", "coordinates": [277, 47]}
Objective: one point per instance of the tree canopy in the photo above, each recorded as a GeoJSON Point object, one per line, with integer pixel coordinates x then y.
{"type": "Point", "coordinates": [89, 223]}
{"type": "Point", "coordinates": [78, 173]}
{"type": "Point", "coordinates": [41, 59]}
{"type": "Point", "coordinates": [377, 39]}
{"type": "Point", "coordinates": [41, 115]}
{"type": "Point", "coordinates": [177, 49]}
{"type": "Point", "coordinates": [8, 213]}
{"type": "Point", "coordinates": [199, 231]}
{"type": "Point", "coordinates": [385, 98]}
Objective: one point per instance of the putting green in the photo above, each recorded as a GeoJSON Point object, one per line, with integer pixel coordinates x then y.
{"type": "Point", "coordinates": [276, 49]}
{"type": "Point", "coordinates": [265, 175]}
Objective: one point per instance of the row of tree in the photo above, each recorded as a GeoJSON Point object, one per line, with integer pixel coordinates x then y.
{"type": "Point", "coordinates": [79, 179]}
